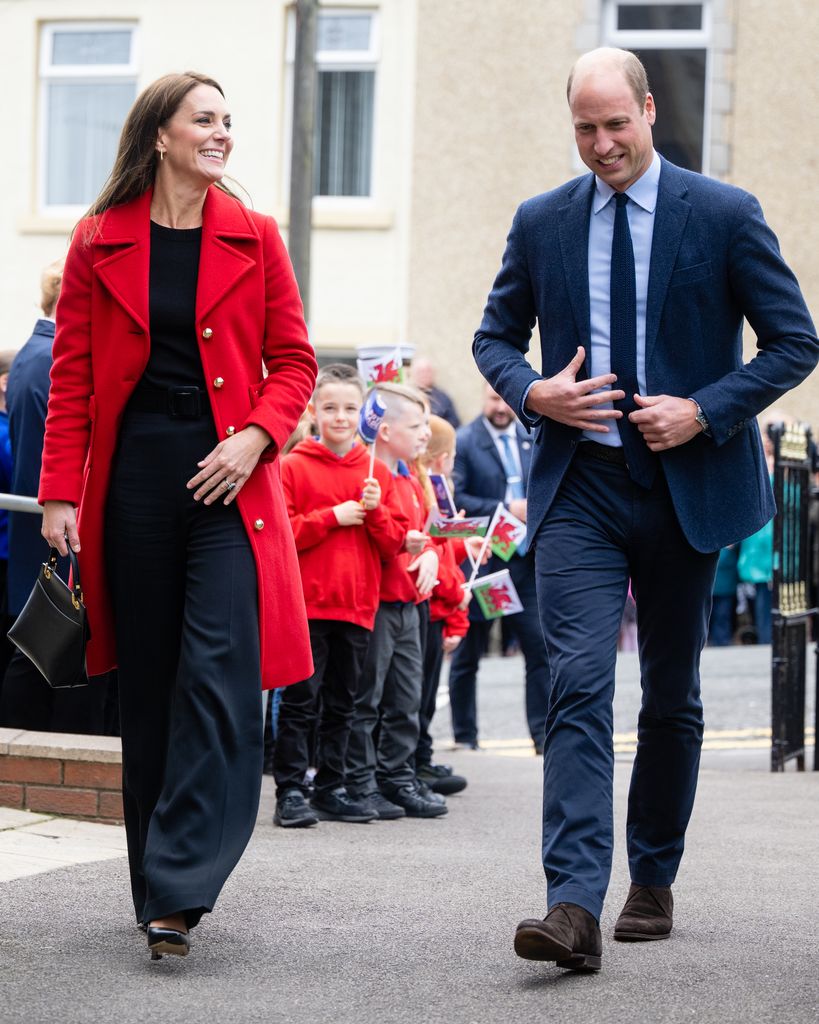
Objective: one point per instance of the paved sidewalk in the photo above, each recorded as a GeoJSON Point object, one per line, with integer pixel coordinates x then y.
{"type": "Point", "coordinates": [411, 922]}
{"type": "Point", "coordinates": [33, 843]}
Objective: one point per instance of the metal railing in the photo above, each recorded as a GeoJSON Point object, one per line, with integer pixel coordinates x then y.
{"type": "Point", "coordinates": [793, 606]}
{"type": "Point", "coordinates": [17, 503]}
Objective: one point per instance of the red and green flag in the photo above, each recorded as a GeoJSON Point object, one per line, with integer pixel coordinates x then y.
{"type": "Point", "coordinates": [496, 595]}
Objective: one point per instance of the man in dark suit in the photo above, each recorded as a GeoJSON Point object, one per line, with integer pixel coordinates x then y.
{"type": "Point", "coordinates": [492, 459]}
{"type": "Point", "coordinates": [647, 460]}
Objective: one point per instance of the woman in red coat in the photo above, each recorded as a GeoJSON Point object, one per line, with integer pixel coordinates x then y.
{"type": "Point", "coordinates": [163, 432]}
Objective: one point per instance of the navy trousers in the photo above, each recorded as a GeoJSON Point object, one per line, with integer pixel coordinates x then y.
{"type": "Point", "coordinates": [183, 586]}
{"type": "Point", "coordinates": [601, 530]}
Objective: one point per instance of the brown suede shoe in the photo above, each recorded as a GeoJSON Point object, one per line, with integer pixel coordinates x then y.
{"type": "Point", "coordinates": [569, 935]}
{"type": "Point", "coordinates": [648, 914]}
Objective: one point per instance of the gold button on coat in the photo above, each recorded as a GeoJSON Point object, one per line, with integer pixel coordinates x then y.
{"type": "Point", "coordinates": [207, 333]}
{"type": "Point", "coordinates": [218, 382]}
{"type": "Point", "coordinates": [259, 524]}
{"type": "Point", "coordinates": [230, 431]}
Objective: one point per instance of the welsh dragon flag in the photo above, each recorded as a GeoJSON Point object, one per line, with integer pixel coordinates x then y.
{"type": "Point", "coordinates": [386, 369]}
{"type": "Point", "coordinates": [496, 595]}
{"type": "Point", "coordinates": [505, 533]}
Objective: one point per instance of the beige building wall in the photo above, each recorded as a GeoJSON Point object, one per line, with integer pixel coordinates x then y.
{"type": "Point", "coordinates": [492, 128]}
{"type": "Point", "coordinates": [359, 273]}
{"type": "Point", "coordinates": [775, 142]}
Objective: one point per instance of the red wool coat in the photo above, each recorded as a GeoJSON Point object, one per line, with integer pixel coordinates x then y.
{"type": "Point", "coordinates": [248, 311]}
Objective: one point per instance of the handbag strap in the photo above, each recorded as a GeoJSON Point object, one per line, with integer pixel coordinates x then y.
{"type": "Point", "coordinates": [51, 567]}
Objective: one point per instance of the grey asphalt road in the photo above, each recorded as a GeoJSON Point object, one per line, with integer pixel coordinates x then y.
{"type": "Point", "coordinates": [412, 921]}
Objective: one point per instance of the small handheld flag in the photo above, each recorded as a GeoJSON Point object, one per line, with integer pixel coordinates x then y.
{"type": "Point", "coordinates": [443, 495]}
{"type": "Point", "coordinates": [371, 416]}
{"type": "Point", "coordinates": [386, 369]}
{"type": "Point", "coordinates": [496, 595]}
{"type": "Point", "coordinates": [506, 532]}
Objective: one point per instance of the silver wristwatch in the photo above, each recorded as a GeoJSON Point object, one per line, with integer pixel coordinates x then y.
{"type": "Point", "coordinates": [701, 418]}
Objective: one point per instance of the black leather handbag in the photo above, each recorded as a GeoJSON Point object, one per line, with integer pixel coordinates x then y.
{"type": "Point", "coordinates": [52, 629]}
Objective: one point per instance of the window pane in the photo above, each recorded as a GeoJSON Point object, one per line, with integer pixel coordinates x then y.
{"type": "Point", "coordinates": [676, 79]}
{"type": "Point", "coordinates": [344, 129]}
{"type": "Point", "coordinates": [656, 17]}
{"type": "Point", "coordinates": [91, 47]}
{"type": "Point", "coordinates": [84, 122]}
{"type": "Point", "coordinates": [343, 32]}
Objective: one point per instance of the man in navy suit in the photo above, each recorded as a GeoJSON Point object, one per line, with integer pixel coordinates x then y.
{"type": "Point", "coordinates": [492, 458]}
{"type": "Point", "coordinates": [647, 460]}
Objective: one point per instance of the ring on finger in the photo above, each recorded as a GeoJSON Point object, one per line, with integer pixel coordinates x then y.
{"type": "Point", "coordinates": [229, 484]}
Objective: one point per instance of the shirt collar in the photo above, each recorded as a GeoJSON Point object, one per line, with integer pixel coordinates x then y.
{"type": "Point", "coordinates": [643, 192]}
{"type": "Point", "coordinates": [402, 469]}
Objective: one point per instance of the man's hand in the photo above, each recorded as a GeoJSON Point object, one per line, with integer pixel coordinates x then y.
{"type": "Point", "coordinates": [573, 402]}
{"type": "Point", "coordinates": [371, 495]}
{"type": "Point", "coordinates": [349, 513]}
{"type": "Point", "coordinates": [427, 566]}
{"type": "Point", "coordinates": [664, 421]}
{"type": "Point", "coordinates": [517, 506]}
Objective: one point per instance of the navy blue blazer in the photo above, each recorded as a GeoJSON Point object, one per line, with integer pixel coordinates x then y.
{"type": "Point", "coordinates": [479, 476]}
{"type": "Point", "coordinates": [26, 402]}
{"type": "Point", "coordinates": [714, 261]}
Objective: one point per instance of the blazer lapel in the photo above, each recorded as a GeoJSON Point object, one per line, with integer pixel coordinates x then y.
{"type": "Point", "coordinates": [669, 224]}
{"type": "Point", "coordinates": [485, 440]}
{"type": "Point", "coordinates": [228, 239]}
{"type": "Point", "coordinates": [123, 243]}
{"type": "Point", "coordinates": [525, 450]}
{"type": "Point", "coordinates": [573, 231]}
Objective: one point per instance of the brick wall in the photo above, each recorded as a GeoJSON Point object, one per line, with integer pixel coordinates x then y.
{"type": "Point", "coordinates": [57, 773]}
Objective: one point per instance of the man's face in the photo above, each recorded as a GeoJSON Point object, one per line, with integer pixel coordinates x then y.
{"type": "Point", "coordinates": [498, 413]}
{"type": "Point", "coordinates": [613, 135]}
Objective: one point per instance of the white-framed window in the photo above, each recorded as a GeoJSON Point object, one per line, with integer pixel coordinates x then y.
{"type": "Point", "coordinates": [347, 48]}
{"type": "Point", "coordinates": [88, 82]}
{"type": "Point", "coordinates": [673, 41]}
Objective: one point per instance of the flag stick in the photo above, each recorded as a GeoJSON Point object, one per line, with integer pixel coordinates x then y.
{"type": "Point", "coordinates": [487, 540]}
{"type": "Point", "coordinates": [372, 459]}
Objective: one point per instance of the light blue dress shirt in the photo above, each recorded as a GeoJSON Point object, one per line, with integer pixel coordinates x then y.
{"type": "Point", "coordinates": [643, 194]}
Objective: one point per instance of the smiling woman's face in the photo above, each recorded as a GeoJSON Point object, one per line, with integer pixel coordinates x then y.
{"type": "Point", "coordinates": [197, 141]}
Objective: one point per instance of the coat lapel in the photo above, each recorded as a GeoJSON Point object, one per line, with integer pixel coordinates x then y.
{"type": "Point", "coordinates": [487, 442]}
{"type": "Point", "coordinates": [123, 250]}
{"type": "Point", "coordinates": [229, 248]}
{"type": "Point", "coordinates": [573, 231]}
{"type": "Point", "coordinates": [669, 224]}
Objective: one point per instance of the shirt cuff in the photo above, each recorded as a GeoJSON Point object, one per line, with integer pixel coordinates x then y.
{"type": "Point", "coordinates": [529, 419]}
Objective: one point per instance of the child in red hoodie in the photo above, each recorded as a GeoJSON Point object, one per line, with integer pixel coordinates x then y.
{"type": "Point", "coordinates": [344, 523]}
{"type": "Point", "coordinates": [380, 767]}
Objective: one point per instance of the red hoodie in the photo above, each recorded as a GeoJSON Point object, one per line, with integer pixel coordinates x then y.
{"type": "Point", "coordinates": [396, 583]}
{"type": "Point", "coordinates": [449, 592]}
{"type": "Point", "coordinates": [340, 565]}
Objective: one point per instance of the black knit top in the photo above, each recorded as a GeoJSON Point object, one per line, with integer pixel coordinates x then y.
{"type": "Point", "coordinates": [174, 360]}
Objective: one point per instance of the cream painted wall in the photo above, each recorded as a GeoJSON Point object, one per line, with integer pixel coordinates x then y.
{"type": "Point", "coordinates": [359, 247]}
{"type": "Point", "coordinates": [491, 129]}
{"type": "Point", "coordinates": [775, 142]}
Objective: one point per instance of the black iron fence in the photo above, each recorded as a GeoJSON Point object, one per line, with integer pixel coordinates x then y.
{"type": "Point", "coordinates": [794, 599]}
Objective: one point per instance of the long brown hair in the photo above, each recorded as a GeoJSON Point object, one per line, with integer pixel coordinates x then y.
{"type": "Point", "coordinates": [134, 169]}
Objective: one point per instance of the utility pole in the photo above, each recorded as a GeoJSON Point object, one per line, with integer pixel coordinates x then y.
{"type": "Point", "coordinates": [301, 164]}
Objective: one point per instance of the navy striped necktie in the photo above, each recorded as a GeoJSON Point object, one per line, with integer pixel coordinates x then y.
{"type": "Point", "coordinates": [642, 463]}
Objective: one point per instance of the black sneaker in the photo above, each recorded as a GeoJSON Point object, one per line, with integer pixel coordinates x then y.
{"type": "Point", "coordinates": [338, 805]}
{"type": "Point", "coordinates": [384, 809]}
{"type": "Point", "coordinates": [441, 779]}
{"type": "Point", "coordinates": [293, 811]}
{"type": "Point", "coordinates": [414, 802]}
{"type": "Point", "coordinates": [427, 793]}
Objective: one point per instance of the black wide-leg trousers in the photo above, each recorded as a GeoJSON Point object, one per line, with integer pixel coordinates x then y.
{"type": "Point", "coordinates": [183, 585]}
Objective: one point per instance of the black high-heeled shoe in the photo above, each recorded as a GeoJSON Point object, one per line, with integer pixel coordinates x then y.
{"type": "Point", "coordinates": [167, 940]}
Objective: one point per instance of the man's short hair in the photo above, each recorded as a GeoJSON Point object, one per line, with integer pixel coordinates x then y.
{"type": "Point", "coordinates": [633, 70]}
{"type": "Point", "coordinates": [338, 373]}
{"type": "Point", "coordinates": [50, 281]}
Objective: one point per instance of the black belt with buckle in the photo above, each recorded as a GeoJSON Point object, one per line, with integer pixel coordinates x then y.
{"type": "Point", "coordinates": [180, 403]}
{"type": "Point", "coordinates": [602, 452]}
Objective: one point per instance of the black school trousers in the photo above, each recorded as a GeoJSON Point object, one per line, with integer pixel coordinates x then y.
{"type": "Point", "coordinates": [183, 586]}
